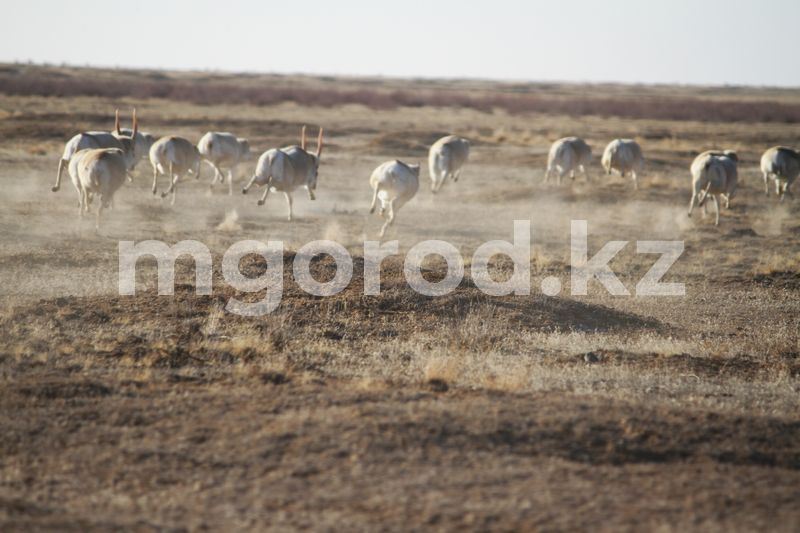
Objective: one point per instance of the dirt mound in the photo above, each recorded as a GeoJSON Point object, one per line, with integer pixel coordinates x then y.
{"type": "Point", "coordinates": [117, 326]}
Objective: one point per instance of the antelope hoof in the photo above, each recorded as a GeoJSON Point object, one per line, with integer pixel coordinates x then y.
{"type": "Point", "coordinates": [164, 194]}
{"type": "Point", "coordinates": [244, 191]}
{"type": "Point", "coordinates": [372, 210]}
{"type": "Point", "coordinates": [261, 202]}
{"type": "Point", "coordinates": [55, 188]}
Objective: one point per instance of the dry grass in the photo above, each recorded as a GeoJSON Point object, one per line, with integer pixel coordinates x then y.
{"type": "Point", "coordinates": [273, 90]}
{"type": "Point", "coordinates": [400, 411]}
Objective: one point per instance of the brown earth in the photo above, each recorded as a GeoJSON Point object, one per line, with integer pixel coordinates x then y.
{"type": "Point", "coordinates": [400, 411]}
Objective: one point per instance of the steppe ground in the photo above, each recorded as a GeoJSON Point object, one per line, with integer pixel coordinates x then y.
{"type": "Point", "coordinates": [400, 411]}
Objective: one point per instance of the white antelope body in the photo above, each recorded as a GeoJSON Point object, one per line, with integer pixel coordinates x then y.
{"type": "Point", "coordinates": [97, 172]}
{"type": "Point", "coordinates": [286, 169]}
{"type": "Point", "coordinates": [565, 156]}
{"type": "Point", "coordinates": [624, 156]}
{"type": "Point", "coordinates": [223, 150]}
{"type": "Point", "coordinates": [445, 159]}
{"type": "Point", "coordinates": [783, 165]}
{"type": "Point", "coordinates": [714, 174]}
{"type": "Point", "coordinates": [175, 157]}
{"type": "Point", "coordinates": [393, 183]}
{"type": "Point", "coordinates": [101, 139]}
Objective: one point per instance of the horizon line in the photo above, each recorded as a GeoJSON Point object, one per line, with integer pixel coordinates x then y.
{"type": "Point", "coordinates": [393, 77]}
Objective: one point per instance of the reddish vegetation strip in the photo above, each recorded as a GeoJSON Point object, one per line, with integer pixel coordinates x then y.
{"type": "Point", "coordinates": [35, 82]}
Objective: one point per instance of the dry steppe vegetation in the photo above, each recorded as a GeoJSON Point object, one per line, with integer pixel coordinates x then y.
{"type": "Point", "coordinates": [399, 411]}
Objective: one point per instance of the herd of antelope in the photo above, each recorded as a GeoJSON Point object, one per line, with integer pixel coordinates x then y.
{"type": "Point", "coordinates": [99, 162]}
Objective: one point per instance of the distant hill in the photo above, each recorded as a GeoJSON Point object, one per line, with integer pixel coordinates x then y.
{"type": "Point", "coordinates": [659, 102]}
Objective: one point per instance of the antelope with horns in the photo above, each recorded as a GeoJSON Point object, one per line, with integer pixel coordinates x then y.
{"type": "Point", "coordinates": [286, 169]}
{"type": "Point", "coordinates": [101, 139]}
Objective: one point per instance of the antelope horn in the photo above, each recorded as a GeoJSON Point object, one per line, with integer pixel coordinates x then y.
{"type": "Point", "coordinates": [319, 142]}
{"type": "Point", "coordinates": [116, 122]}
{"type": "Point", "coordinates": [135, 124]}
{"type": "Point", "coordinates": [303, 138]}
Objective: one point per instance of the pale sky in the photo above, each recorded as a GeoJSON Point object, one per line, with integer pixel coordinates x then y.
{"type": "Point", "coordinates": [742, 42]}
